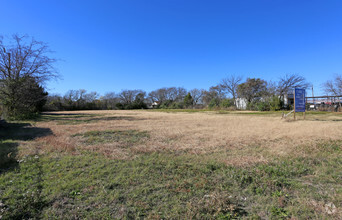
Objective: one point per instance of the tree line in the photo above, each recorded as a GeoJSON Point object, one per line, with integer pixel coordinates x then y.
{"type": "Point", "coordinates": [26, 64]}
{"type": "Point", "coordinates": [258, 94]}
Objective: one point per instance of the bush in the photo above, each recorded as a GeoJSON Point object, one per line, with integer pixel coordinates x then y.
{"type": "Point", "coordinates": [275, 103]}
{"type": "Point", "coordinates": [25, 98]}
{"type": "Point", "coordinates": [166, 104]}
{"type": "Point", "coordinates": [227, 103]}
{"type": "Point", "coordinates": [270, 104]}
{"type": "Point", "coordinates": [171, 105]}
{"type": "Point", "coordinates": [263, 106]}
{"type": "Point", "coordinates": [176, 105]}
{"type": "Point", "coordinates": [119, 106]}
{"type": "Point", "coordinates": [215, 102]}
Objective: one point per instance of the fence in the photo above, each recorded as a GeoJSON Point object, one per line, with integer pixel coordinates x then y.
{"type": "Point", "coordinates": [324, 103]}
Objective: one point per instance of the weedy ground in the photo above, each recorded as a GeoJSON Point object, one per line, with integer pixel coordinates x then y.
{"type": "Point", "coordinates": [171, 165]}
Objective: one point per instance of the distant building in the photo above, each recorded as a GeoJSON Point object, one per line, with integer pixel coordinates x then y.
{"type": "Point", "coordinates": [288, 99]}
{"type": "Point", "coordinates": [155, 104]}
{"type": "Point", "coordinates": [241, 103]}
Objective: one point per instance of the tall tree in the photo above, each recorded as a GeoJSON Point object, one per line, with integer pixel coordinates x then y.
{"type": "Point", "coordinates": [175, 94]}
{"type": "Point", "coordinates": [252, 88]}
{"type": "Point", "coordinates": [287, 84]}
{"type": "Point", "coordinates": [158, 95]}
{"type": "Point", "coordinates": [128, 96]}
{"type": "Point", "coordinates": [132, 99]}
{"type": "Point", "coordinates": [167, 96]}
{"type": "Point", "coordinates": [24, 64]}
{"type": "Point", "coordinates": [230, 85]}
{"type": "Point", "coordinates": [197, 95]}
{"type": "Point", "coordinates": [109, 100]}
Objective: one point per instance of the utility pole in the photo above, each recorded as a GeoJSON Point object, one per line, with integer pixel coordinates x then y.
{"type": "Point", "coordinates": [294, 104]}
{"type": "Point", "coordinates": [313, 97]}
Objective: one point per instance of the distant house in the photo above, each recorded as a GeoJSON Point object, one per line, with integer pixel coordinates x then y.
{"type": "Point", "coordinates": [241, 103]}
{"type": "Point", "coordinates": [155, 104]}
{"type": "Point", "coordinates": [288, 99]}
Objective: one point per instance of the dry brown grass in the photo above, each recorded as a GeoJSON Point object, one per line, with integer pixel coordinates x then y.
{"type": "Point", "coordinates": [234, 139]}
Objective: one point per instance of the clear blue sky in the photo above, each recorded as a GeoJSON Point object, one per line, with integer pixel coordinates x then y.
{"type": "Point", "coordinates": [143, 44]}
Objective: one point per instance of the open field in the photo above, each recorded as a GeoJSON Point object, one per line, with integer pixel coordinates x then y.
{"type": "Point", "coordinates": [172, 164]}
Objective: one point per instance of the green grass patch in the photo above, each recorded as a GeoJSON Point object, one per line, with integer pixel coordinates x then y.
{"type": "Point", "coordinates": [122, 136]}
{"type": "Point", "coordinates": [166, 185]}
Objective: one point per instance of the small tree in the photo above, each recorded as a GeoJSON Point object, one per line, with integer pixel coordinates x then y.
{"type": "Point", "coordinates": [215, 102]}
{"type": "Point", "coordinates": [188, 100]}
{"type": "Point", "coordinates": [227, 103]}
{"type": "Point", "coordinates": [275, 103]}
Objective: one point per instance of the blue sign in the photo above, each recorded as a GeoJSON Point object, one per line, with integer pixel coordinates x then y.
{"type": "Point", "coordinates": [299, 100]}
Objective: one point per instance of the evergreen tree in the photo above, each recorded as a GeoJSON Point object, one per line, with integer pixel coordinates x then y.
{"type": "Point", "coordinates": [188, 100]}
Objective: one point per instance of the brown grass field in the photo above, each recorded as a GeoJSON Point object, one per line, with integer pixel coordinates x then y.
{"type": "Point", "coordinates": [208, 164]}
{"type": "Point", "coordinates": [196, 133]}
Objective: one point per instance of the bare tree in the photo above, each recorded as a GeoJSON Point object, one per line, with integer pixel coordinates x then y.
{"type": "Point", "coordinates": [90, 97]}
{"type": "Point", "coordinates": [175, 94]}
{"type": "Point", "coordinates": [23, 62]}
{"type": "Point", "coordinates": [128, 96]}
{"type": "Point", "coordinates": [71, 96]}
{"type": "Point", "coordinates": [271, 88]}
{"type": "Point", "coordinates": [158, 95]}
{"type": "Point", "coordinates": [172, 94]}
{"type": "Point", "coordinates": [26, 58]}
{"type": "Point", "coordinates": [109, 100]}
{"type": "Point", "coordinates": [333, 87]}
{"type": "Point", "coordinates": [289, 82]}
{"type": "Point", "coordinates": [230, 85]}
{"type": "Point", "coordinates": [196, 95]}
{"type": "Point", "coordinates": [220, 93]}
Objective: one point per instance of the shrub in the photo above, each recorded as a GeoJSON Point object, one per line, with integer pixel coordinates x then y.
{"type": "Point", "coordinates": [119, 106]}
{"type": "Point", "coordinates": [215, 102]}
{"type": "Point", "coordinates": [176, 105]}
{"type": "Point", "coordinates": [263, 106]}
{"type": "Point", "coordinates": [227, 103]}
{"type": "Point", "coordinates": [275, 103]}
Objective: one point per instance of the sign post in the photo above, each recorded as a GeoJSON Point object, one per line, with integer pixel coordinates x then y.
{"type": "Point", "coordinates": [294, 104]}
{"type": "Point", "coordinates": [299, 101]}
